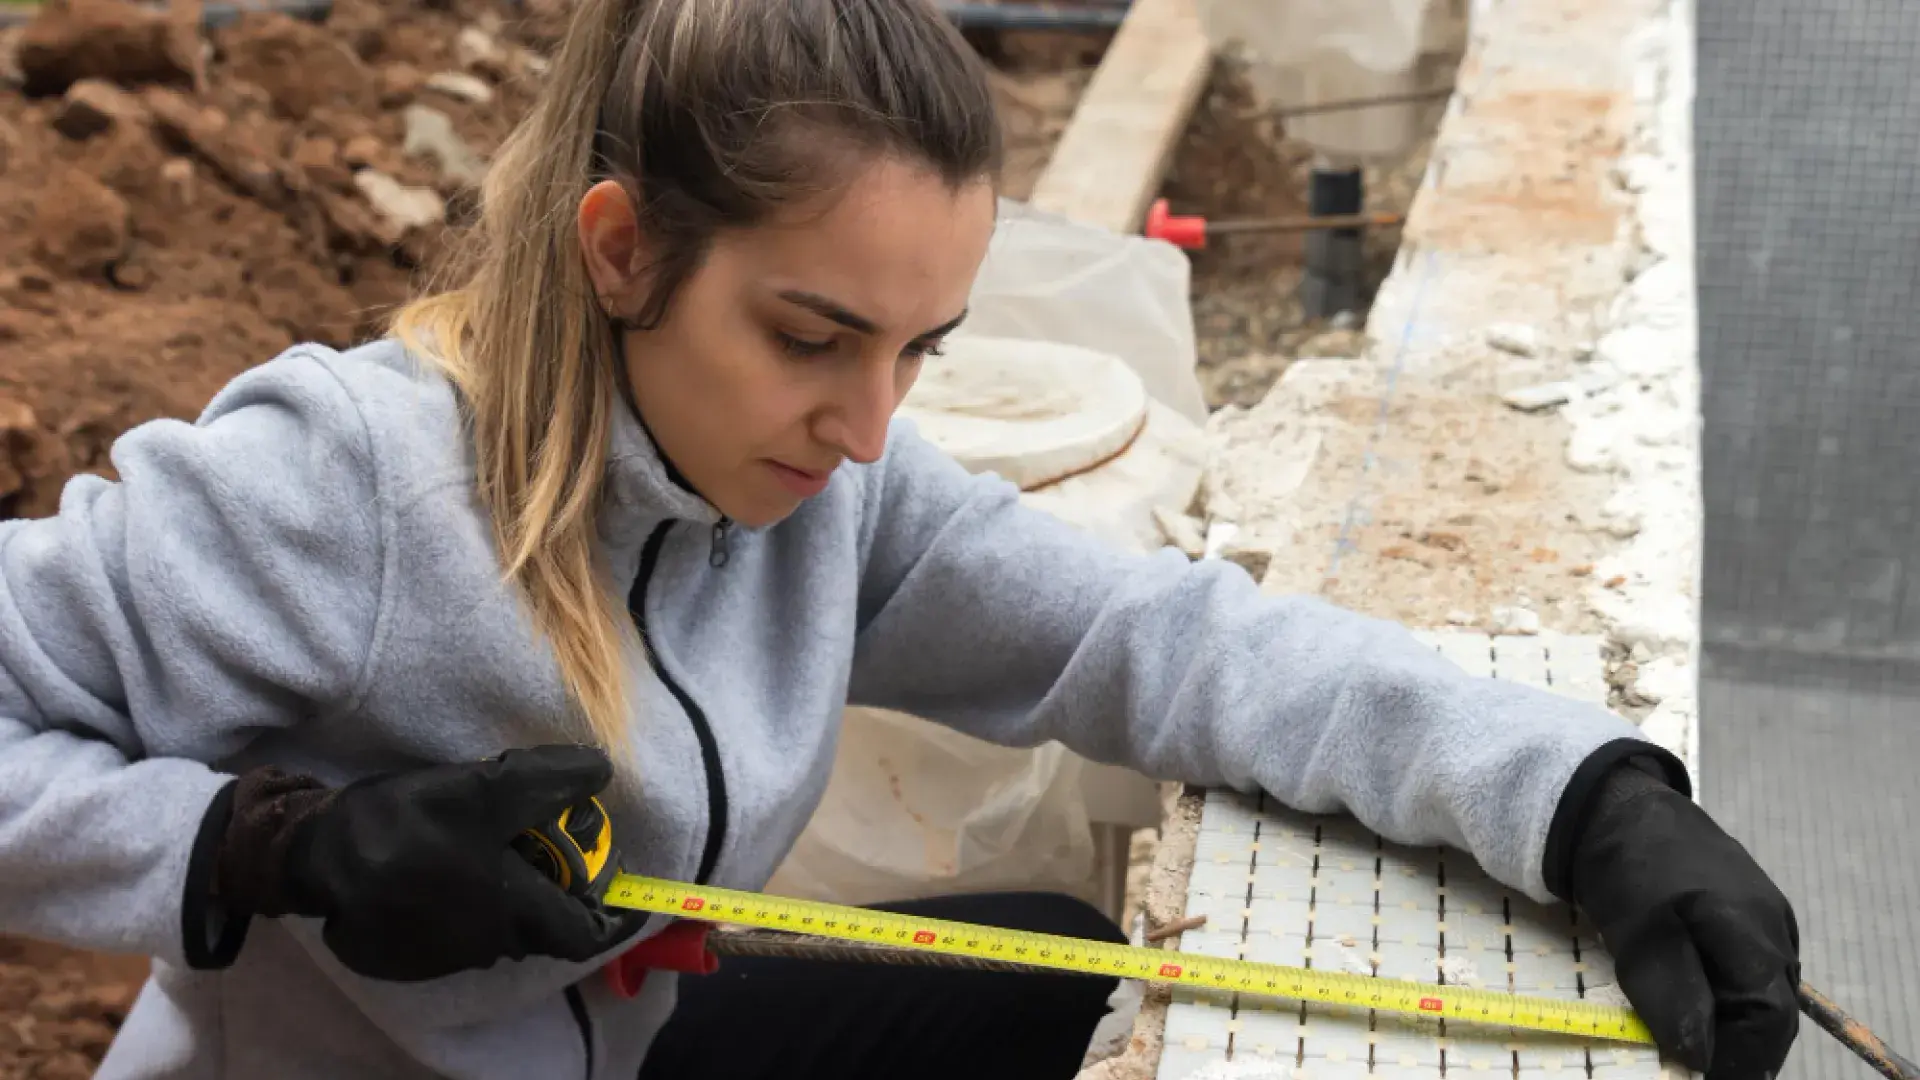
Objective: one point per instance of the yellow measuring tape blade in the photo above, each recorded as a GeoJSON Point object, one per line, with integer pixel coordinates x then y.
{"type": "Point", "coordinates": [1476, 1006]}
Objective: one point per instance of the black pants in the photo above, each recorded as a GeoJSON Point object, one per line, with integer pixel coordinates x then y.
{"type": "Point", "coordinates": [758, 1019]}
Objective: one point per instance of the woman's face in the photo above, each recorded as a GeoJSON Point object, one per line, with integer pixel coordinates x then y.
{"type": "Point", "coordinates": [787, 351]}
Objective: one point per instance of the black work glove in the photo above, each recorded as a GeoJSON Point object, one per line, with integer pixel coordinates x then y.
{"type": "Point", "coordinates": [412, 871]}
{"type": "Point", "coordinates": [1705, 945]}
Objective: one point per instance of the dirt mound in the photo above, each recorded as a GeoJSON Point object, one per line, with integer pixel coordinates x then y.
{"type": "Point", "coordinates": [176, 207]}
{"type": "Point", "coordinates": [156, 239]}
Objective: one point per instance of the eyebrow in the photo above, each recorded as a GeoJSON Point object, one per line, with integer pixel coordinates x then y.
{"type": "Point", "coordinates": [828, 309]}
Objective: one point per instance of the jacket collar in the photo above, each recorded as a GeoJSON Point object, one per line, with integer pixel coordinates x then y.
{"type": "Point", "coordinates": [641, 487]}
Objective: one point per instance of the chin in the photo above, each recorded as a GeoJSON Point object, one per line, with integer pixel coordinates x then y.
{"type": "Point", "coordinates": [762, 513]}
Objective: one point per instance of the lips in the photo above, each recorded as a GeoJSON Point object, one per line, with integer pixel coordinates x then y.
{"type": "Point", "coordinates": [805, 483]}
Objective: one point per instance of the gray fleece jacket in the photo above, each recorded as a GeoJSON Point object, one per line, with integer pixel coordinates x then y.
{"type": "Point", "coordinates": [303, 577]}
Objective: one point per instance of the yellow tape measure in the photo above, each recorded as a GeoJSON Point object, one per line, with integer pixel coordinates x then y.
{"type": "Point", "coordinates": [1476, 1006]}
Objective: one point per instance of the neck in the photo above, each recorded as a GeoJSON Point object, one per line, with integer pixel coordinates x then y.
{"type": "Point", "coordinates": [624, 380]}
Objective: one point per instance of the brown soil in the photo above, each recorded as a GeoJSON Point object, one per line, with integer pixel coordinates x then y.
{"type": "Point", "coordinates": [170, 217]}
{"type": "Point", "coordinates": [59, 1010]}
{"type": "Point", "coordinates": [1040, 78]}
{"type": "Point", "coordinates": [148, 257]}
{"type": "Point", "coordinates": [1235, 162]}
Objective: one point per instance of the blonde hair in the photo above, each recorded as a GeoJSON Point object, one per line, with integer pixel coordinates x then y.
{"type": "Point", "coordinates": [712, 114]}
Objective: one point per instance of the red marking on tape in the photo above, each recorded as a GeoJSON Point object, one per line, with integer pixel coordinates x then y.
{"type": "Point", "coordinates": [1432, 1005]}
{"type": "Point", "coordinates": [1169, 971]}
{"type": "Point", "coordinates": [924, 937]}
{"type": "Point", "coordinates": [693, 903]}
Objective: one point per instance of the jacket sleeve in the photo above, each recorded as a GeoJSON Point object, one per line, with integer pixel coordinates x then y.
{"type": "Point", "coordinates": [1008, 624]}
{"type": "Point", "coordinates": [223, 587]}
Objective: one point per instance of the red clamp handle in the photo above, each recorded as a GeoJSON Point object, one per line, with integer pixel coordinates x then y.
{"type": "Point", "coordinates": [1183, 231]}
{"type": "Point", "coordinates": [681, 947]}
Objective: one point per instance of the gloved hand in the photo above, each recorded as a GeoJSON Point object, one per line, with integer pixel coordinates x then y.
{"type": "Point", "coordinates": [1706, 947]}
{"type": "Point", "coordinates": [412, 871]}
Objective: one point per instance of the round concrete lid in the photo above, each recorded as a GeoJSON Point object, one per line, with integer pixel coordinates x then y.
{"type": "Point", "coordinates": [1032, 411]}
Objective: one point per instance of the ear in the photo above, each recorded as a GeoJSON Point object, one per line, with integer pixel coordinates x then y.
{"type": "Point", "coordinates": [611, 242]}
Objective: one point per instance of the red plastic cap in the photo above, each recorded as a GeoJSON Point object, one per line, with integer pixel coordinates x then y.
{"type": "Point", "coordinates": [681, 947]}
{"type": "Point", "coordinates": [1184, 231]}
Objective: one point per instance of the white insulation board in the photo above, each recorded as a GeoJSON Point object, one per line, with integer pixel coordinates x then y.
{"type": "Point", "coordinates": [1325, 892]}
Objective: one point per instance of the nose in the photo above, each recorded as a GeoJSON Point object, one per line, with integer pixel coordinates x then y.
{"type": "Point", "coordinates": [856, 424]}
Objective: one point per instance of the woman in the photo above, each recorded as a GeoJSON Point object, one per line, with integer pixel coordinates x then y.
{"type": "Point", "coordinates": [630, 505]}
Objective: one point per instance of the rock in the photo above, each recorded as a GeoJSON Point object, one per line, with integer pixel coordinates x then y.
{"type": "Point", "coordinates": [92, 106]}
{"type": "Point", "coordinates": [1642, 351]}
{"type": "Point", "coordinates": [1221, 506]}
{"type": "Point", "coordinates": [1253, 559]}
{"type": "Point", "coordinates": [17, 423]}
{"type": "Point", "coordinates": [1515, 620]}
{"type": "Point", "coordinates": [363, 151]}
{"type": "Point", "coordinates": [71, 40]}
{"type": "Point", "coordinates": [1460, 618]}
{"type": "Point", "coordinates": [1597, 379]}
{"type": "Point", "coordinates": [461, 87]}
{"type": "Point", "coordinates": [1666, 678]}
{"type": "Point", "coordinates": [130, 276]}
{"type": "Point", "coordinates": [476, 50]}
{"type": "Point", "coordinates": [1181, 531]}
{"type": "Point", "coordinates": [1219, 535]}
{"type": "Point", "coordinates": [1667, 727]}
{"type": "Point", "coordinates": [34, 462]}
{"type": "Point", "coordinates": [398, 84]}
{"type": "Point", "coordinates": [1623, 526]}
{"type": "Point", "coordinates": [405, 207]}
{"type": "Point", "coordinates": [1345, 344]}
{"type": "Point", "coordinates": [1520, 339]}
{"type": "Point", "coordinates": [1590, 450]}
{"type": "Point", "coordinates": [1541, 396]}
{"type": "Point", "coordinates": [176, 176]}
{"type": "Point", "coordinates": [430, 134]}
{"type": "Point", "coordinates": [354, 225]}
{"type": "Point", "coordinates": [81, 225]}
{"type": "Point", "coordinates": [206, 132]}
{"type": "Point", "coordinates": [301, 66]}
{"type": "Point", "coordinates": [11, 76]}
{"type": "Point", "coordinates": [319, 158]}
{"type": "Point", "coordinates": [1638, 172]}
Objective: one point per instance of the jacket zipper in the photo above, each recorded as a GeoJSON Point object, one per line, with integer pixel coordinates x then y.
{"type": "Point", "coordinates": [577, 1002]}
{"type": "Point", "coordinates": [709, 749]}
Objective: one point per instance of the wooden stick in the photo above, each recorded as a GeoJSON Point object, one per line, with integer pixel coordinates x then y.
{"type": "Point", "coordinates": [1110, 160]}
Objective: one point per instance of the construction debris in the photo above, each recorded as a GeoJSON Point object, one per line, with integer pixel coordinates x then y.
{"type": "Point", "coordinates": [1519, 339]}
{"type": "Point", "coordinates": [430, 136]}
{"type": "Point", "coordinates": [1542, 396]}
{"type": "Point", "coordinates": [1181, 531]}
{"type": "Point", "coordinates": [1175, 928]}
{"type": "Point", "coordinates": [461, 86]}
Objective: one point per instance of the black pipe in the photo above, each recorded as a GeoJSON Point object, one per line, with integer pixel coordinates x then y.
{"type": "Point", "coordinates": [1332, 280]}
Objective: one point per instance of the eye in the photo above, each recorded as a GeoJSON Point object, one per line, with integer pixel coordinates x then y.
{"type": "Point", "coordinates": [920, 350]}
{"type": "Point", "coordinates": [802, 347]}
